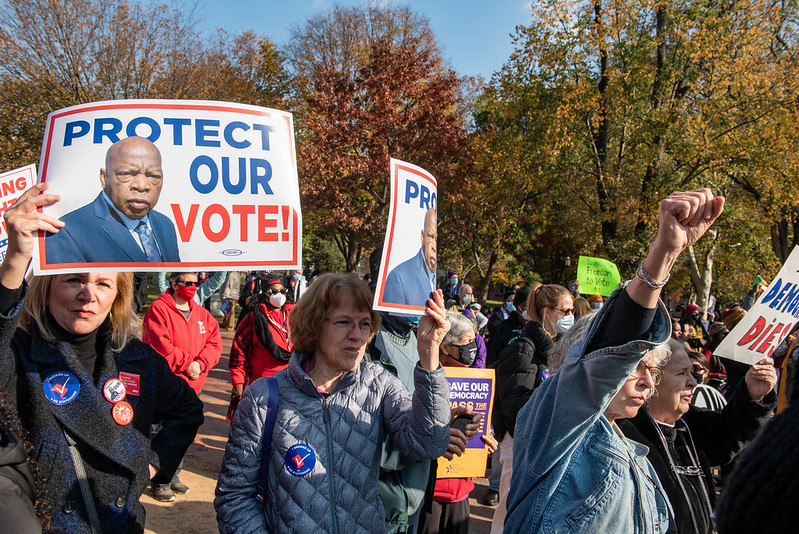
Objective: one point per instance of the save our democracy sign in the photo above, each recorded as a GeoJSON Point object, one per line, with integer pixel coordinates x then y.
{"type": "Point", "coordinates": [769, 320]}
{"type": "Point", "coordinates": [408, 264]}
{"type": "Point", "coordinates": [472, 389]}
{"type": "Point", "coordinates": [12, 185]}
{"type": "Point", "coordinates": [165, 185]}
{"type": "Point", "coordinates": [597, 276]}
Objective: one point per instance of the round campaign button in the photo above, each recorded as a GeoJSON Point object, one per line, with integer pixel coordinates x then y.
{"type": "Point", "coordinates": [122, 412]}
{"type": "Point", "coordinates": [300, 459]}
{"type": "Point", "coordinates": [61, 388]}
{"type": "Point", "coordinates": [114, 390]}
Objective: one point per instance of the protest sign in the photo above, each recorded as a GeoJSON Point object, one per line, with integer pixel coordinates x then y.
{"type": "Point", "coordinates": [408, 266]}
{"type": "Point", "coordinates": [597, 276]}
{"type": "Point", "coordinates": [474, 390]}
{"type": "Point", "coordinates": [769, 320]}
{"type": "Point", "coordinates": [12, 185]}
{"type": "Point", "coordinates": [170, 185]}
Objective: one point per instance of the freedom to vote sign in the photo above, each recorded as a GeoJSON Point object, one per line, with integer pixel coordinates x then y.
{"type": "Point", "coordinates": [170, 185]}
{"type": "Point", "coordinates": [12, 185]}
{"type": "Point", "coordinates": [408, 267]}
{"type": "Point", "coordinates": [769, 320]}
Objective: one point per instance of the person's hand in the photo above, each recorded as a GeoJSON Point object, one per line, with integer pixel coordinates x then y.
{"type": "Point", "coordinates": [23, 223]}
{"type": "Point", "coordinates": [685, 217]}
{"type": "Point", "coordinates": [153, 471]}
{"type": "Point", "coordinates": [194, 371]}
{"type": "Point", "coordinates": [491, 442]}
{"type": "Point", "coordinates": [458, 439]}
{"type": "Point", "coordinates": [432, 329]}
{"type": "Point", "coordinates": [235, 397]}
{"type": "Point", "coordinates": [761, 378]}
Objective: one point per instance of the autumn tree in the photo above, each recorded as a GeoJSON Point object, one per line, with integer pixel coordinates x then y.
{"type": "Point", "coordinates": [635, 99]}
{"type": "Point", "coordinates": [370, 84]}
{"type": "Point", "coordinates": [57, 53]}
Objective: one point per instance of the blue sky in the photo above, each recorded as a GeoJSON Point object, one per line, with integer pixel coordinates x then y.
{"type": "Point", "coordinates": [474, 35]}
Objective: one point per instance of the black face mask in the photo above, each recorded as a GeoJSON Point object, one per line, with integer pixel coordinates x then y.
{"type": "Point", "coordinates": [467, 353]}
{"type": "Point", "coordinates": [698, 377]}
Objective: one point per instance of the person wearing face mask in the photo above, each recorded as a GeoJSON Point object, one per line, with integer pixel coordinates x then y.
{"type": "Point", "coordinates": [188, 337]}
{"type": "Point", "coordinates": [262, 346]}
{"type": "Point", "coordinates": [522, 367]}
{"type": "Point", "coordinates": [500, 313]}
{"type": "Point", "coordinates": [693, 330]}
{"type": "Point", "coordinates": [685, 441]}
{"type": "Point", "coordinates": [510, 328]}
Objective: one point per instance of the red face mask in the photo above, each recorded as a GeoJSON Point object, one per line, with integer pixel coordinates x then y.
{"type": "Point", "coordinates": [186, 292]}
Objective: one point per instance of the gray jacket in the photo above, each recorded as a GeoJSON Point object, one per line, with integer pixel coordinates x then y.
{"type": "Point", "coordinates": [325, 454]}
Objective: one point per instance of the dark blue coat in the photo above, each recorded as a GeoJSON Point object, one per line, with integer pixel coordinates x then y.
{"type": "Point", "coordinates": [94, 234]}
{"type": "Point", "coordinates": [116, 457]}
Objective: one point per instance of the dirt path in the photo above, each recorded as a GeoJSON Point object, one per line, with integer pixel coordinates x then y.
{"type": "Point", "coordinates": [193, 513]}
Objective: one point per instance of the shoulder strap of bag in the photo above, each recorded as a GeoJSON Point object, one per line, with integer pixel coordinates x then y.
{"type": "Point", "coordinates": [266, 450]}
{"type": "Point", "coordinates": [83, 483]}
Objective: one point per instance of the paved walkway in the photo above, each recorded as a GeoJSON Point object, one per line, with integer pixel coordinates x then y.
{"type": "Point", "coordinates": [193, 513]}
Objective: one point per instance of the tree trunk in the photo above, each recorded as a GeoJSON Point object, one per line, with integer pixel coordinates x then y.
{"type": "Point", "coordinates": [702, 278]}
{"type": "Point", "coordinates": [485, 283]}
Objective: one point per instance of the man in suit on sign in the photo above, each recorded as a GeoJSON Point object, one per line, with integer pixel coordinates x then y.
{"type": "Point", "coordinates": [120, 225]}
{"type": "Point", "coordinates": [412, 281]}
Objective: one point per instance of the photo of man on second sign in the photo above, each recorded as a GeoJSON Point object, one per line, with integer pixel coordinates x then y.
{"type": "Point", "coordinates": [412, 281]}
{"type": "Point", "coordinates": [120, 225]}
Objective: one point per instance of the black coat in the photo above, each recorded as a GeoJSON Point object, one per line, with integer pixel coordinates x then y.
{"type": "Point", "coordinates": [16, 487]}
{"type": "Point", "coordinates": [504, 333]}
{"type": "Point", "coordinates": [116, 457]}
{"type": "Point", "coordinates": [717, 437]}
{"type": "Point", "coordinates": [521, 367]}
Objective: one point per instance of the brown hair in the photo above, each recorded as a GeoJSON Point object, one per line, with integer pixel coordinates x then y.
{"type": "Point", "coordinates": [581, 307]}
{"type": "Point", "coordinates": [123, 321]}
{"type": "Point", "coordinates": [328, 291]}
{"type": "Point", "coordinates": [544, 296]}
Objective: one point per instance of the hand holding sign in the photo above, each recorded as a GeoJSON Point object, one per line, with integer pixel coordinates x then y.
{"type": "Point", "coordinates": [23, 223]}
{"type": "Point", "coordinates": [761, 378]}
{"type": "Point", "coordinates": [432, 329]}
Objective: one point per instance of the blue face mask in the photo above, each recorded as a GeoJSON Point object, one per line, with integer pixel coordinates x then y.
{"type": "Point", "coordinates": [413, 320]}
{"type": "Point", "coordinates": [509, 306]}
{"type": "Point", "coordinates": [454, 282]}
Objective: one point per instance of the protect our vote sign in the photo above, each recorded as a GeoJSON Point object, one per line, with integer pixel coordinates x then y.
{"type": "Point", "coordinates": [12, 185]}
{"type": "Point", "coordinates": [408, 267]}
{"type": "Point", "coordinates": [165, 185]}
{"type": "Point", "coordinates": [472, 389]}
{"type": "Point", "coordinates": [769, 320]}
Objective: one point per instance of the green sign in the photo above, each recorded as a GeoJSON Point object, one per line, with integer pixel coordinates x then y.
{"type": "Point", "coordinates": [597, 276]}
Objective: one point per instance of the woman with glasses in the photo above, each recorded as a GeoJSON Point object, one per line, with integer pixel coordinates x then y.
{"type": "Point", "coordinates": [521, 367]}
{"type": "Point", "coordinates": [685, 441]}
{"type": "Point", "coordinates": [332, 415]}
{"type": "Point", "coordinates": [262, 345]}
{"type": "Point", "coordinates": [573, 469]}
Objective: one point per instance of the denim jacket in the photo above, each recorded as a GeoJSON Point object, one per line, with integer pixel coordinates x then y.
{"type": "Point", "coordinates": [573, 472]}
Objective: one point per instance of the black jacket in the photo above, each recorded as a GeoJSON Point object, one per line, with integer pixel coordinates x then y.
{"type": "Point", "coordinates": [521, 368]}
{"type": "Point", "coordinates": [702, 439]}
{"type": "Point", "coordinates": [116, 457]}
{"type": "Point", "coordinates": [16, 487]}
{"type": "Point", "coordinates": [504, 333]}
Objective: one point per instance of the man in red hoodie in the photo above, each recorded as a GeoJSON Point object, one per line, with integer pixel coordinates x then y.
{"type": "Point", "coordinates": [188, 337]}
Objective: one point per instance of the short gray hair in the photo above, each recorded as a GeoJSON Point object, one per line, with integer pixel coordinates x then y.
{"type": "Point", "coordinates": [462, 290]}
{"type": "Point", "coordinates": [459, 326]}
{"type": "Point", "coordinates": [557, 352]}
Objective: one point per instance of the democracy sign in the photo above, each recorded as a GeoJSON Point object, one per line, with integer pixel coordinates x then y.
{"type": "Point", "coordinates": [597, 276]}
{"type": "Point", "coordinates": [472, 389]}
{"type": "Point", "coordinates": [170, 185]}
{"type": "Point", "coordinates": [12, 185]}
{"type": "Point", "coordinates": [408, 267]}
{"type": "Point", "coordinates": [769, 320]}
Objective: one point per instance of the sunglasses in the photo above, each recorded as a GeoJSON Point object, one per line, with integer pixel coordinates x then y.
{"type": "Point", "coordinates": [186, 283]}
{"type": "Point", "coordinates": [275, 291]}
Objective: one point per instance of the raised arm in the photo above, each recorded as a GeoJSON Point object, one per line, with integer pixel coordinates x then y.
{"type": "Point", "coordinates": [23, 223]}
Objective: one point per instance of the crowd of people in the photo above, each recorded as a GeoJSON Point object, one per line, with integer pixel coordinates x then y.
{"type": "Point", "coordinates": [610, 414]}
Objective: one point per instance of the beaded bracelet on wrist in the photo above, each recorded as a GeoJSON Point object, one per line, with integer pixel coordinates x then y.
{"type": "Point", "coordinates": [646, 278]}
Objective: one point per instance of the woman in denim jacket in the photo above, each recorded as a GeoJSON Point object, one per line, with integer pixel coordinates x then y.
{"type": "Point", "coordinates": [573, 469]}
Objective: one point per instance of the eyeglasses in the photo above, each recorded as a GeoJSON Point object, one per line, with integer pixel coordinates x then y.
{"type": "Point", "coordinates": [346, 325]}
{"type": "Point", "coordinates": [655, 372]}
{"type": "Point", "coordinates": [567, 311]}
{"type": "Point", "coordinates": [185, 283]}
{"type": "Point", "coordinates": [275, 291]}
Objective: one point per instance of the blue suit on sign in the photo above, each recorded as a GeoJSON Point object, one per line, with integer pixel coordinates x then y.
{"type": "Point", "coordinates": [96, 234]}
{"type": "Point", "coordinates": [409, 282]}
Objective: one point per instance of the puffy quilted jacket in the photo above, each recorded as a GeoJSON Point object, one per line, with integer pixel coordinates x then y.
{"type": "Point", "coordinates": [325, 455]}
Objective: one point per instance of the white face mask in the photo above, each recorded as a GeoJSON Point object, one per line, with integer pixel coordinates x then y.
{"type": "Point", "coordinates": [277, 300]}
{"type": "Point", "coordinates": [467, 300]}
{"type": "Point", "coordinates": [524, 315]}
{"type": "Point", "coordinates": [564, 323]}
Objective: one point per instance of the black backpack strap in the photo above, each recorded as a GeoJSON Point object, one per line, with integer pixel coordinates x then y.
{"type": "Point", "coordinates": [266, 450]}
